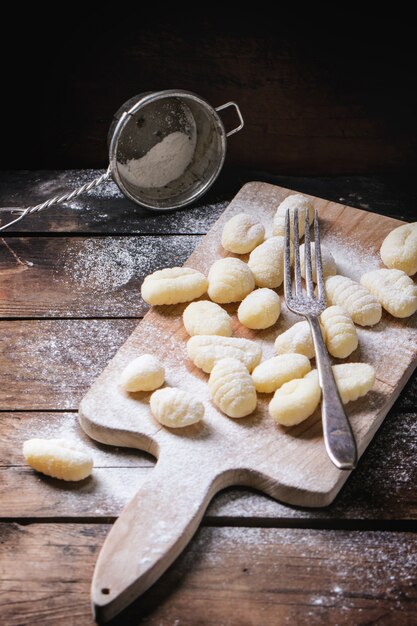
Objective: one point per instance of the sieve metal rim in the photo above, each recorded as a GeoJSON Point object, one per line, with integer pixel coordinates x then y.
{"type": "Point", "coordinates": [148, 98]}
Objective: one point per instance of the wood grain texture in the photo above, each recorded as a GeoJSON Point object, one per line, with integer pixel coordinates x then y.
{"type": "Point", "coordinates": [83, 277]}
{"type": "Point", "coordinates": [290, 465]}
{"type": "Point", "coordinates": [381, 491]}
{"type": "Point", "coordinates": [242, 575]}
{"type": "Point", "coordinates": [107, 211]}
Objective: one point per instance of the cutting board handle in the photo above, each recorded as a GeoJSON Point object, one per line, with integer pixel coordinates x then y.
{"type": "Point", "coordinates": [151, 532]}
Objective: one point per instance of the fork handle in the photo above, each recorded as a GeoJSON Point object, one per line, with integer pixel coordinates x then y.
{"type": "Point", "coordinates": [338, 436]}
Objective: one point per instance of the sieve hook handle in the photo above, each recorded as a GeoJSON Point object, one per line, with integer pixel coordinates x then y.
{"type": "Point", "coordinates": [239, 114]}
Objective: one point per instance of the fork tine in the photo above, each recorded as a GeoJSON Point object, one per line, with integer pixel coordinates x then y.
{"type": "Point", "coordinates": [287, 257]}
{"type": "Point", "coordinates": [297, 266]}
{"type": "Point", "coordinates": [319, 265]}
{"type": "Point", "coordinates": [307, 258]}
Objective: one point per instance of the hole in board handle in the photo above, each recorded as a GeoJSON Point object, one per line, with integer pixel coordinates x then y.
{"type": "Point", "coordinates": [105, 591]}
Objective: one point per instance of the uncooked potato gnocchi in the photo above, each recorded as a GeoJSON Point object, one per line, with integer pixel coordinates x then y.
{"type": "Point", "coordinates": [295, 401]}
{"type": "Point", "coordinates": [173, 285]}
{"type": "Point", "coordinates": [341, 335]}
{"type": "Point", "coordinates": [260, 309]}
{"type": "Point", "coordinates": [229, 280]}
{"type": "Point", "coordinates": [269, 375]}
{"type": "Point", "coordinates": [399, 249]}
{"type": "Point", "coordinates": [394, 289]}
{"type": "Point", "coordinates": [297, 339]}
{"type": "Point", "coordinates": [206, 350]}
{"type": "Point", "coordinates": [362, 306]}
{"type": "Point", "coordinates": [242, 233]}
{"type": "Point", "coordinates": [232, 388]}
{"type": "Point", "coordinates": [267, 263]}
{"type": "Point", "coordinates": [206, 318]}
{"type": "Point", "coordinates": [59, 458]}
{"type": "Point", "coordinates": [295, 201]}
{"type": "Point", "coordinates": [353, 380]}
{"type": "Point", "coordinates": [327, 261]}
{"type": "Point", "coordinates": [145, 373]}
{"type": "Point", "coordinates": [176, 408]}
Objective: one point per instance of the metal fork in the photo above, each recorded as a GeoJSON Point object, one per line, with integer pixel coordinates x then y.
{"type": "Point", "coordinates": [338, 436]}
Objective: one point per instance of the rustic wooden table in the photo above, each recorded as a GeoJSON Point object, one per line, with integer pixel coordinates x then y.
{"type": "Point", "coordinates": [70, 281]}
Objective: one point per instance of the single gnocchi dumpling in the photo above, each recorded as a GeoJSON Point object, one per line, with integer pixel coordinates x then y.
{"type": "Point", "coordinates": [353, 380]}
{"type": "Point", "coordinates": [176, 408]}
{"type": "Point", "coordinates": [295, 401]}
{"type": "Point", "coordinates": [206, 350]}
{"type": "Point", "coordinates": [269, 375]}
{"type": "Point", "coordinates": [206, 318]}
{"type": "Point", "coordinates": [229, 280]}
{"type": "Point", "coordinates": [242, 233]}
{"type": "Point", "coordinates": [232, 388]}
{"type": "Point", "coordinates": [362, 306]}
{"type": "Point", "coordinates": [173, 285]}
{"type": "Point", "coordinates": [327, 261]}
{"type": "Point", "coordinates": [267, 263]}
{"type": "Point", "coordinates": [341, 336]}
{"type": "Point", "coordinates": [145, 373]}
{"type": "Point", "coordinates": [297, 339]}
{"type": "Point", "coordinates": [295, 201]}
{"type": "Point", "coordinates": [260, 309]}
{"type": "Point", "coordinates": [394, 290]}
{"type": "Point", "coordinates": [58, 458]}
{"type": "Point", "coordinates": [399, 249]}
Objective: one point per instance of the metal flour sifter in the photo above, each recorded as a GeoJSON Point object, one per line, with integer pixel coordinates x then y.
{"type": "Point", "coordinates": [166, 148]}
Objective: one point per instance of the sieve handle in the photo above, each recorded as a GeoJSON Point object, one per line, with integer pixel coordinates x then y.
{"type": "Point", "coordinates": [58, 199]}
{"type": "Point", "coordinates": [239, 114]}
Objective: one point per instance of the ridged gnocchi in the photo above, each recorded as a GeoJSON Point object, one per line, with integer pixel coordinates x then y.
{"type": "Point", "coordinates": [173, 285]}
{"type": "Point", "coordinates": [399, 249]}
{"type": "Point", "coordinates": [206, 318]}
{"type": "Point", "coordinates": [341, 336]}
{"type": "Point", "coordinates": [176, 408]}
{"type": "Point", "coordinates": [362, 306]}
{"type": "Point", "coordinates": [229, 280]}
{"type": "Point", "coordinates": [145, 373]}
{"type": "Point", "coordinates": [260, 309]}
{"type": "Point", "coordinates": [269, 375]}
{"type": "Point", "coordinates": [297, 339]}
{"type": "Point", "coordinates": [58, 458]}
{"type": "Point", "coordinates": [353, 380]}
{"type": "Point", "coordinates": [267, 263]}
{"type": "Point", "coordinates": [206, 350]}
{"type": "Point", "coordinates": [327, 261]}
{"type": "Point", "coordinates": [295, 401]}
{"type": "Point", "coordinates": [232, 388]}
{"type": "Point", "coordinates": [394, 289]}
{"type": "Point", "coordinates": [295, 201]}
{"type": "Point", "coordinates": [242, 233]}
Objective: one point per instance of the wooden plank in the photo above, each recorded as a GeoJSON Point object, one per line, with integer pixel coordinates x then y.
{"type": "Point", "coordinates": [83, 277]}
{"type": "Point", "coordinates": [49, 364]}
{"type": "Point", "coordinates": [382, 488]}
{"type": "Point", "coordinates": [105, 210]}
{"type": "Point", "coordinates": [227, 575]}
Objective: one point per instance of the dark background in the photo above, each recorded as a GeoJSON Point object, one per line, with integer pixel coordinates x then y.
{"type": "Point", "coordinates": [317, 99]}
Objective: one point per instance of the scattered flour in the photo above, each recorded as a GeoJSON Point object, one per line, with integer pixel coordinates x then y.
{"type": "Point", "coordinates": [165, 162]}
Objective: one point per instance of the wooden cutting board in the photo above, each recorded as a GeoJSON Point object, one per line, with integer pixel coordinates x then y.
{"type": "Point", "coordinates": [194, 463]}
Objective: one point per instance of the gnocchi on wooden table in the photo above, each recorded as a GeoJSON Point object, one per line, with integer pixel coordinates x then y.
{"type": "Point", "coordinates": [297, 338]}
{"type": "Point", "coordinates": [267, 263]}
{"type": "Point", "coordinates": [271, 374]}
{"type": "Point", "coordinates": [362, 306]}
{"type": "Point", "coordinates": [242, 233]}
{"type": "Point", "coordinates": [294, 201]}
{"type": "Point", "coordinates": [176, 408]}
{"type": "Point", "coordinates": [260, 309]}
{"type": "Point", "coordinates": [173, 285]}
{"type": "Point", "coordinates": [341, 336]}
{"type": "Point", "coordinates": [59, 458]}
{"type": "Point", "coordinates": [295, 401]}
{"type": "Point", "coordinates": [145, 373]}
{"type": "Point", "coordinates": [353, 380]}
{"type": "Point", "coordinates": [394, 289]}
{"type": "Point", "coordinates": [206, 350]}
{"type": "Point", "coordinates": [327, 261]}
{"type": "Point", "coordinates": [229, 280]}
{"type": "Point", "coordinates": [206, 318]}
{"type": "Point", "coordinates": [399, 249]}
{"type": "Point", "coordinates": [232, 388]}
